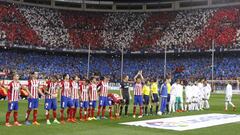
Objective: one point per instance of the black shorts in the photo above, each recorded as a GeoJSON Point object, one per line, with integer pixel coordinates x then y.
{"type": "Point", "coordinates": [155, 98]}
{"type": "Point", "coordinates": [146, 99]}
{"type": "Point", "coordinates": [168, 98]}
{"type": "Point", "coordinates": [126, 99]}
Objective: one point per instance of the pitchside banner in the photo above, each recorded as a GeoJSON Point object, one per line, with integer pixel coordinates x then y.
{"type": "Point", "coordinates": [187, 122]}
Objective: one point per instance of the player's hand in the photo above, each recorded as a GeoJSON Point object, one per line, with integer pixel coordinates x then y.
{"type": "Point", "coordinates": [138, 73]}
{"type": "Point", "coordinates": [9, 101]}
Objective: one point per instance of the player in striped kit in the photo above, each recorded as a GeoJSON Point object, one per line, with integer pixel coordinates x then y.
{"type": "Point", "coordinates": [115, 101]}
{"type": "Point", "coordinates": [103, 92]}
{"type": "Point", "coordinates": [66, 100]}
{"type": "Point", "coordinates": [33, 90]}
{"type": "Point", "coordinates": [75, 95]}
{"type": "Point", "coordinates": [138, 99]}
{"type": "Point", "coordinates": [84, 100]}
{"type": "Point", "coordinates": [13, 97]}
{"type": "Point", "coordinates": [93, 96]}
{"type": "Point", "coordinates": [51, 92]}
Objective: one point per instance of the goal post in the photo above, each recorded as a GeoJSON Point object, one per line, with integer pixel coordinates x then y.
{"type": "Point", "coordinates": [219, 86]}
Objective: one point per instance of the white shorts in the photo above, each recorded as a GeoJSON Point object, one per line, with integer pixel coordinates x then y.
{"type": "Point", "coordinates": [206, 98]}
{"type": "Point", "coordinates": [172, 99]}
{"type": "Point", "coordinates": [194, 100]}
{"type": "Point", "coordinates": [228, 98]}
{"type": "Point", "coordinates": [188, 100]}
{"type": "Point", "coordinates": [200, 98]}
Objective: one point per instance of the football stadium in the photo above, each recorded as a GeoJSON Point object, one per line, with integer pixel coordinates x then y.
{"type": "Point", "coordinates": [119, 67]}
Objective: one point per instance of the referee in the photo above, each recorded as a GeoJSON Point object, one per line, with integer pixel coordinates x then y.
{"type": "Point", "coordinates": [125, 94]}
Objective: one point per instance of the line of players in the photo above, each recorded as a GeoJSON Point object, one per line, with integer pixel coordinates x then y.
{"type": "Point", "coordinates": [74, 94]}
{"type": "Point", "coordinates": [84, 94]}
{"type": "Point", "coordinates": [197, 95]}
{"type": "Point", "coordinates": [88, 92]}
{"type": "Point", "coordinates": [147, 94]}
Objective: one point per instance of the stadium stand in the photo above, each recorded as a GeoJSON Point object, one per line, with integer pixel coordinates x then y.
{"type": "Point", "coordinates": [48, 63]}
{"type": "Point", "coordinates": [150, 31]}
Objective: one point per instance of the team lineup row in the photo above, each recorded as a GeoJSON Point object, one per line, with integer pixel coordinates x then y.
{"type": "Point", "coordinates": [85, 94]}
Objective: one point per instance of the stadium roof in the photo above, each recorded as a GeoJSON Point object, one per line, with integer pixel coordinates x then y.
{"type": "Point", "coordinates": [136, 1]}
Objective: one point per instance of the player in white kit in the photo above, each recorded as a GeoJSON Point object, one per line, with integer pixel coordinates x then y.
{"type": "Point", "coordinates": [207, 92]}
{"type": "Point", "coordinates": [228, 97]}
{"type": "Point", "coordinates": [195, 91]}
{"type": "Point", "coordinates": [200, 94]}
{"type": "Point", "coordinates": [180, 87]}
{"type": "Point", "coordinates": [172, 101]}
{"type": "Point", "coordinates": [188, 97]}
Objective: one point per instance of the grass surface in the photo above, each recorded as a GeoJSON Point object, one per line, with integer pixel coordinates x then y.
{"type": "Point", "coordinates": [108, 127]}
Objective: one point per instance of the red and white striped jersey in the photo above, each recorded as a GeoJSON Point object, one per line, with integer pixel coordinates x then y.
{"type": "Point", "coordinates": [33, 87]}
{"type": "Point", "coordinates": [137, 89]}
{"type": "Point", "coordinates": [115, 98]}
{"type": "Point", "coordinates": [14, 91]}
{"type": "Point", "coordinates": [75, 90]}
{"type": "Point", "coordinates": [84, 92]}
{"type": "Point", "coordinates": [52, 89]}
{"type": "Point", "coordinates": [103, 88]}
{"type": "Point", "coordinates": [93, 95]}
{"type": "Point", "coordinates": [66, 88]}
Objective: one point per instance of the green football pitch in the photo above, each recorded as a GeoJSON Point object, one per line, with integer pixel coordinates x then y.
{"type": "Point", "coordinates": [112, 127]}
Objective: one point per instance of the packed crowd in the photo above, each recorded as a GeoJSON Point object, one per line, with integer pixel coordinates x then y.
{"type": "Point", "coordinates": [225, 67]}
{"type": "Point", "coordinates": [222, 27]}
{"type": "Point", "coordinates": [84, 29]}
{"type": "Point", "coordinates": [182, 32]}
{"type": "Point", "coordinates": [120, 28]}
{"type": "Point", "coordinates": [48, 25]}
{"type": "Point", "coordinates": [151, 31]}
{"type": "Point", "coordinates": [14, 27]}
